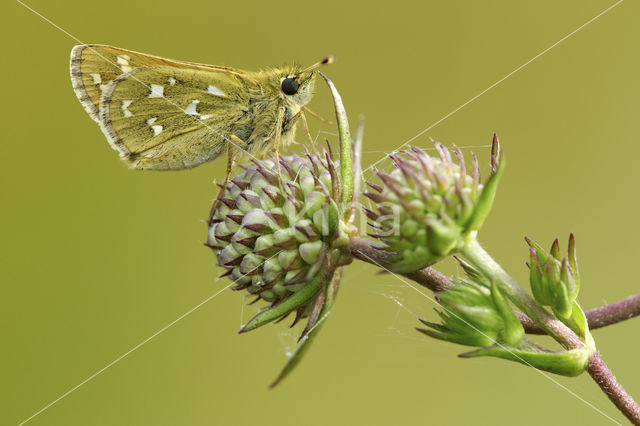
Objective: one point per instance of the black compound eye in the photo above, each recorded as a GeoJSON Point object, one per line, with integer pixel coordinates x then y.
{"type": "Point", "coordinates": [290, 86]}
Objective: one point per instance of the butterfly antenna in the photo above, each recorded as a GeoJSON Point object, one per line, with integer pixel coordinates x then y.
{"type": "Point", "coordinates": [326, 61]}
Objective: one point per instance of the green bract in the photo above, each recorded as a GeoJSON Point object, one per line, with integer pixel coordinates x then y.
{"type": "Point", "coordinates": [280, 241]}
{"type": "Point", "coordinates": [475, 314]}
{"type": "Point", "coordinates": [428, 208]}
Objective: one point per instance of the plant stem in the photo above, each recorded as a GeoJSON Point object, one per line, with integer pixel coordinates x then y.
{"type": "Point", "coordinates": [369, 252]}
{"type": "Point", "coordinates": [475, 254]}
{"type": "Point", "coordinates": [614, 390]}
{"type": "Point", "coordinates": [602, 316]}
{"type": "Point", "coordinates": [599, 317]}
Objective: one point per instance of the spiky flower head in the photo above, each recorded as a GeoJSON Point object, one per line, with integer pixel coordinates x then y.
{"type": "Point", "coordinates": [554, 279]}
{"type": "Point", "coordinates": [428, 207]}
{"type": "Point", "coordinates": [280, 238]}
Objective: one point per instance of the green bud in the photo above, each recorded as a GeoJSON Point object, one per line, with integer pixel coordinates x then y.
{"type": "Point", "coordinates": [311, 251]}
{"type": "Point", "coordinates": [554, 279]}
{"type": "Point", "coordinates": [475, 313]}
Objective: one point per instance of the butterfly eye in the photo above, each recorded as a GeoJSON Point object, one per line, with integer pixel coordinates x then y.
{"type": "Point", "coordinates": [290, 86]}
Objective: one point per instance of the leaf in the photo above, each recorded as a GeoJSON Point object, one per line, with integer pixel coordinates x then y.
{"type": "Point", "coordinates": [302, 296]}
{"type": "Point", "coordinates": [566, 363]}
{"type": "Point", "coordinates": [330, 295]}
{"type": "Point", "coordinates": [485, 200]}
{"type": "Point", "coordinates": [346, 162]}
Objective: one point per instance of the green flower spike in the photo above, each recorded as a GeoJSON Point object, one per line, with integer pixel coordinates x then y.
{"type": "Point", "coordinates": [429, 208]}
{"type": "Point", "coordinates": [554, 279]}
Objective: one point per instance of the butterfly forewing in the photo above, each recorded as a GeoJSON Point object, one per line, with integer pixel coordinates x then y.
{"type": "Point", "coordinates": [94, 66]}
{"type": "Point", "coordinates": [163, 117]}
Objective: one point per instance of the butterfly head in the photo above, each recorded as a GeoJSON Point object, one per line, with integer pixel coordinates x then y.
{"type": "Point", "coordinates": [297, 86]}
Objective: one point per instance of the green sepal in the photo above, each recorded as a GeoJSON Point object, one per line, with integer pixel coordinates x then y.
{"type": "Point", "coordinates": [513, 332]}
{"type": "Point", "coordinates": [579, 324]}
{"type": "Point", "coordinates": [580, 320]}
{"type": "Point", "coordinates": [538, 289]}
{"type": "Point", "coordinates": [485, 200]}
{"type": "Point", "coordinates": [542, 254]}
{"type": "Point", "coordinates": [467, 339]}
{"type": "Point", "coordinates": [333, 219]}
{"type": "Point", "coordinates": [573, 258]}
{"type": "Point", "coordinates": [562, 304]}
{"type": "Point", "coordinates": [299, 298]}
{"type": "Point", "coordinates": [471, 271]}
{"type": "Point", "coordinates": [441, 238]}
{"type": "Point", "coordinates": [566, 363]}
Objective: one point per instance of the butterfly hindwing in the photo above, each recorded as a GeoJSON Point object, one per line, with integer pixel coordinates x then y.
{"type": "Point", "coordinates": [164, 117]}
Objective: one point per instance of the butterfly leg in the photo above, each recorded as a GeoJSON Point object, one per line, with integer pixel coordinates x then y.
{"type": "Point", "coordinates": [306, 131]}
{"type": "Point", "coordinates": [278, 136]}
{"type": "Point", "coordinates": [318, 116]}
{"type": "Point", "coordinates": [234, 147]}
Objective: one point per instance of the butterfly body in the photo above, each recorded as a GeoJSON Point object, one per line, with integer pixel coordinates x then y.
{"type": "Point", "coordinates": [162, 114]}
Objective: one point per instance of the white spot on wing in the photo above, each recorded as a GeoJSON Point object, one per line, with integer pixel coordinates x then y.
{"type": "Point", "coordinates": [204, 117]}
{"type": "Point", "coordinates": [151, 120]}
{"type": "Point", "coordinates": [123, 61]}
{"type": "Point", "coordinates": [96, 78]}
{"type": "Point", "coordinates": [125, 106]}
{"type": "Point", "coordinates": [191, 108]}
{"type": "Point", "coordinates": [172, 81]}
{"type": "Point", "coordinates": [215, 91]}
{"type": "Point", "coordinates": [156, 129]}
{"type": "Point", "coordinates": [157, 91]}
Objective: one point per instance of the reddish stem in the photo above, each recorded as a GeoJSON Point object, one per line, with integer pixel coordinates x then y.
{"type": "Point", "coordinates": [614, 390]}
{"type": "Point", "coordinates": [369, 252]}
{"type": "Point", "coordinates": [435, 281]}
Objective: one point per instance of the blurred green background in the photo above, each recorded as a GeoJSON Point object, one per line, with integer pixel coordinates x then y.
{"type": "Point", "coordinates": [96, 258]}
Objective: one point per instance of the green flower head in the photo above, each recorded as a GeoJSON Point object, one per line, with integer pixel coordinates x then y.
{"type": "Point", "coordinates": [428, 207]}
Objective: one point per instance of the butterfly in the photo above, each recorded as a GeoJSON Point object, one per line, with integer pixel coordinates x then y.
{"type": "Point", "coordinates": [163, 114]}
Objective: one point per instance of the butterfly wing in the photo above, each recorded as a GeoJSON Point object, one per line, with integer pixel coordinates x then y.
{"type": "Point", "coordinates": [93, 66]}
{"type": "Point", "coordinates": [164, 117]}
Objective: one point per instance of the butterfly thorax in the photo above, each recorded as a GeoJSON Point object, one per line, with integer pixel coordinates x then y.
{"type": "Point", "coordinates": [271, 98]}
